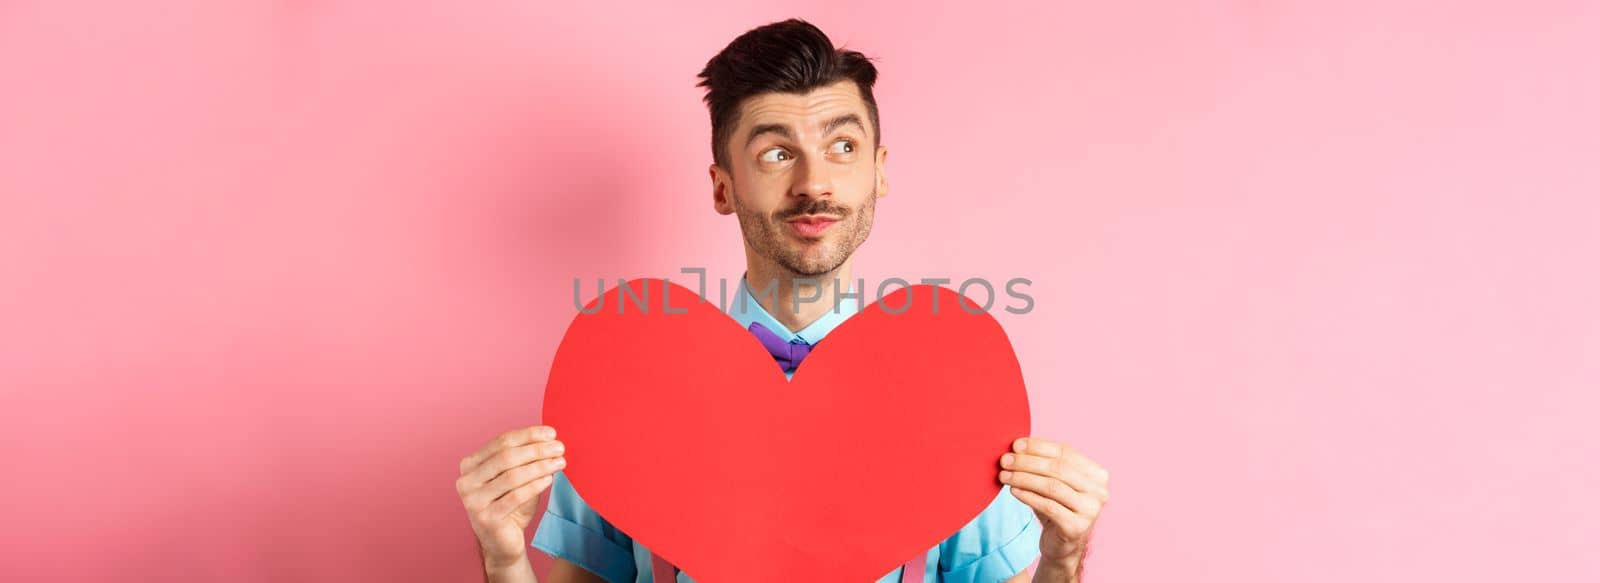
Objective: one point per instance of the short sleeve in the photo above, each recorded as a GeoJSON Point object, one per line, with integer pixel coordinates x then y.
{"type": "Point", "coordinates": [1001, 542]}
{"type": "Point", "coordinates": [571, 530]}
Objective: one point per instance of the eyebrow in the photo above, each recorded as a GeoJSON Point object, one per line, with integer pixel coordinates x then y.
{"type": "Point", "coordinates": [783, 130]}
{"type": "Point", "coordinates": [768, 128]}
{"type": "Point", "coordinates": [842, 120]}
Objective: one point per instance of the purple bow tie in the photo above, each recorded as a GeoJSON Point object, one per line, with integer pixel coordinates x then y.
{"type": "Point", "coordinates": [788, 354]}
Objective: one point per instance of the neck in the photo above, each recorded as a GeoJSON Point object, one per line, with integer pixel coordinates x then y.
{"type": "Point", "coordinates": [818, 294]}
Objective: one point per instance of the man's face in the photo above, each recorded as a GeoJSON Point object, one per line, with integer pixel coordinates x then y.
{"type": "Point", "coordinates": [804, 177]}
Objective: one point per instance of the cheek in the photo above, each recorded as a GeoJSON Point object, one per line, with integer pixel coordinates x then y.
{"type": "Point", "coordinates": [758, 194]}
{"type": "Point", "coordinates": [862, 181]}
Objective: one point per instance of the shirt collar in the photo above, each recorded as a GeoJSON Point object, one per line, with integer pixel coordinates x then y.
{"type": "Point", "coordinates": [745, 309]}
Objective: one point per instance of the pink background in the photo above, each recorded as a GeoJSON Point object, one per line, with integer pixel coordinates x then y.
{"type": "Point", "coordinates": [1316, 280]}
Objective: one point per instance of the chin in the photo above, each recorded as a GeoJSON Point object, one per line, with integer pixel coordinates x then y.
{"type": "Point", "coordinates": [815, 267]}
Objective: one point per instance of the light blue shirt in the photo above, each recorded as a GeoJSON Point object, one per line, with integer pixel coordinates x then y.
{"type": "Point", "coordinates": [994, 547]}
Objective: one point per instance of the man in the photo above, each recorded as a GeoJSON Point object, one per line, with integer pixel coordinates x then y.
{"type": "Point", "coordinates": [797, 157]}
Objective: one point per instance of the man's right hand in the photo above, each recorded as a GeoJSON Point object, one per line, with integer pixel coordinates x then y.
{"type": "Point", "coordinates": [500, 486]}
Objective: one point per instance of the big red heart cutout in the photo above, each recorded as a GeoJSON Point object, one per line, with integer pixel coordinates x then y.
{"type": "Point", "coordinates": [683, 432]}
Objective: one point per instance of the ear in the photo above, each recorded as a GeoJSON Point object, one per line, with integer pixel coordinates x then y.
{"type": "Point", "coordinates": [721, 190]}
{"type": "Point", "coordinates": [883, 179]}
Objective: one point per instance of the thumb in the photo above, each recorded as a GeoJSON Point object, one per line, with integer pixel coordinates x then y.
{"type": "Point", "coordinates": [525, 512]}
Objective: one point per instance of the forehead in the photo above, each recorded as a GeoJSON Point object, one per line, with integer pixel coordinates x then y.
{"type": "Point", "coordinates": [803, 111]}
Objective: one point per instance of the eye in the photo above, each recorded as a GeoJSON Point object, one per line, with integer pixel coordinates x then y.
{"type": "Point", "coordinates": [775, 155]}
{"type": "Point", "coordinates": [842, 147]}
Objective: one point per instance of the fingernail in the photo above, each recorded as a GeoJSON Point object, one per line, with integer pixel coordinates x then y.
{"type": "Point", "coordinates": [1006, 460]}
{"type": "Point", "coordinates": [1022, 444]}
{"type": "Point", "coordinates": [1005, 476]}
{"type": "Point", "coordinates": [561, 462]}
{"type": "Point", "coordinates": [559, 448]}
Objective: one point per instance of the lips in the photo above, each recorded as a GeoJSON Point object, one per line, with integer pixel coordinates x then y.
{"type": "Point", "coordinates": [811, 225]}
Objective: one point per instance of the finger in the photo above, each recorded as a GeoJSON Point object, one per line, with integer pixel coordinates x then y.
{"type": "Point", "coordinates": [1081, 481]}
{"type": "Point", "coordinates": [1059, 515]}
{"type": "Point", "coordinates": [512, 479]}
{"type": "Point", "coordinates": [1053, 489]}
{"type": "Point", "coordinates": [524, 495]}
{"type": "Point", "coordinates": [511, 458]}
{"type": "Point", "coordinates": [1046, 448]}
{"type": "Point", "coordinates": [1038, 446]}
{"type": "Point", "coordinates": [532, 505]}
{"type": "Point", "coordinates": [1048, 466]}
{"type": "Point", "coordinates": [505, 440]}
{"type": "Point", "coordinates": [1041, 504]}
{"type": "Point", "coordinates": [505, 460]}
{"type": "Point", "coordinates": [1077, 478]}
{"type": "Point", "coordinates": [1086, 466]}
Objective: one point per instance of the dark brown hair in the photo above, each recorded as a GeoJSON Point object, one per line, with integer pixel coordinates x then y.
{"type": "Point", "coordinates": [792, 56]}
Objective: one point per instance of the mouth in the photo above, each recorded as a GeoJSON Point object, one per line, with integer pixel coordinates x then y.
{"type": "Point", "coordinates": [811, 226]}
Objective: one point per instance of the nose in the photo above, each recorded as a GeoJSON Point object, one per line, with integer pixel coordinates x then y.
{"type": "Point", "coordinates": [811, 179]}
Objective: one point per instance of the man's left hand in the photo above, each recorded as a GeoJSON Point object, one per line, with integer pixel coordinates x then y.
{"type": "Point", "coordinates": [1066, 490]}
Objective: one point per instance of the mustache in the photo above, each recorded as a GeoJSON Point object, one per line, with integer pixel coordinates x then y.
{"type": "Point", "coordinates": [814, 206]}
